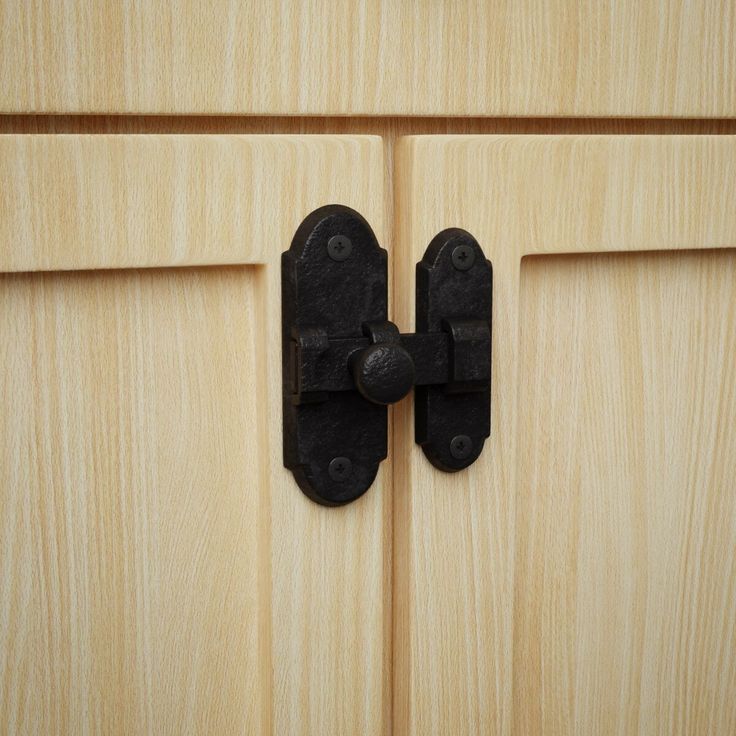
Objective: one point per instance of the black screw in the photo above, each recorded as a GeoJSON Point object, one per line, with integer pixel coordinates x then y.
{"type": "Point", "coordinates": [461, 446]}
{"type": "Point", "coordinates": [340, 468]}
{"type": "Point", "coordinates": [463, 257]}
{"type": "Point", "coordinates": [339, 247]}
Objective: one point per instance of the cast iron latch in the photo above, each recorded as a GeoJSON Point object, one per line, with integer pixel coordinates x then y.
{"type": "Point", "coordinates": [344, 362]}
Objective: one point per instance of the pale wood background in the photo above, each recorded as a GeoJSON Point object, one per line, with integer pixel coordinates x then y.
{"type": "Point", "coordinates": [116, 201]}
{"type": "Point", "coordinates": [625, 564]}
{"type": "Point", "coordinates": [579, 577]}
{"type": "Point", "coordinates": [372, 57]}
{"type": "Point", "coordinates": [490, 695]}
{"type": "Point", "coordinates": [159, 570]}
{"type": "Point", "coordinates": [135, 587]}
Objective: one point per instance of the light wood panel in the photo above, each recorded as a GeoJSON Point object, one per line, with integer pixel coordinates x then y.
{"type": "Point", "coordinates": [625, 577]}
{"type": "Point", "coordinates": [469, 57]}
{"type": "Point", "coordinates": [134, 517]}
{"type": "Point", "coordinates": [562, 194]}
{"type": "Point", "coordinates": [160, 571]}
{"type": "Point", "coordinates": [460, 540]}
{"type": "Point", "coordinates": [82, 201]}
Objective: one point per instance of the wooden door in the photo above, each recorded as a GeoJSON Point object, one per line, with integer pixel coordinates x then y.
{"type": "Point", "coordinates": [159, 570]}
{"type": "Point", "coordinates": [580, 578]}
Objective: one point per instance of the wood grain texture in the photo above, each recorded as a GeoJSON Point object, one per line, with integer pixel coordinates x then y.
{"type": "Point", "coordinates": [666, 58]}
{"type": "Point", "coordinates": [625, 573]}
{"type": "Point", "coordinates": [134, 510]}
{"type": "Point", "coordinates": [463, 543]}
{"type": "Point", "coordinates": [567, 194]}
{"type": "Point", "coordinates": [84, 202]}
{"type": "Point", "coordinates": [160, 572]}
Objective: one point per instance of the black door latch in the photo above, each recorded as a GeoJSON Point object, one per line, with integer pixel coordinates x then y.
{"type": "Point", "coordinates": [344, 362]}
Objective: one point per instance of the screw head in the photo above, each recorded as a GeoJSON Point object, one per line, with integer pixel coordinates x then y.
{"type": "Point", "coordinates": [463, 257]}
{"type": "Point", "coordinates": [339, 247]}
{"type": "Point", "coordinates": [461, 446]}
{"type": "Point", "coordinates": [340, 469]}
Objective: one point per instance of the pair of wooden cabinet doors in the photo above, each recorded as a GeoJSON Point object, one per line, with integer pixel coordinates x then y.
{"type": "Point", "coordinates": [160, 571]}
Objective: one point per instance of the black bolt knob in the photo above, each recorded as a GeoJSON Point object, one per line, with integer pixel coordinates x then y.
{"type": "Point", "coordinates": [383, 373]}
